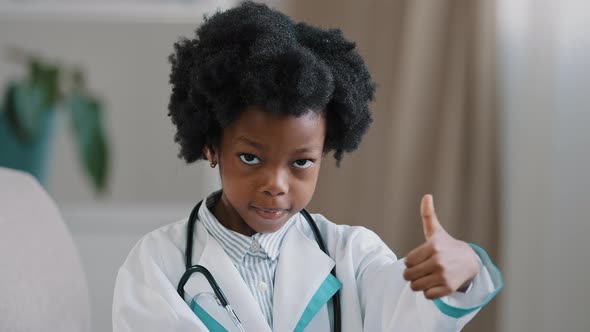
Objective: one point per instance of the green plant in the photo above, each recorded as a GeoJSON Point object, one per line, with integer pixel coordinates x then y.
{"type": "Point", "coordinates": [49, 87]}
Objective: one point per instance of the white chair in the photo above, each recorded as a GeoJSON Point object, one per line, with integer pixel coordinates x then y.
{"type": "Point", "coordinates": [42, 284]}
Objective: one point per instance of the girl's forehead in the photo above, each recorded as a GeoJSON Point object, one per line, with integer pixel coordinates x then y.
{"type": "Point", "coordinates": [264, 129]}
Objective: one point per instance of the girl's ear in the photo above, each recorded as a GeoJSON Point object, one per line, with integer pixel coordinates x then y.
{"type": "Point", "coordinates": [211, 155]}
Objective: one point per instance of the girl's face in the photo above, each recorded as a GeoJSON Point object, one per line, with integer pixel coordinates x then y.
{"type": "Point", "coordinates": [269, 167]}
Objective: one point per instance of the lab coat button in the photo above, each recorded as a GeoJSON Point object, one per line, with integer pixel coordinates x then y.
{"type": "Point", "coordinates": [262, 286]}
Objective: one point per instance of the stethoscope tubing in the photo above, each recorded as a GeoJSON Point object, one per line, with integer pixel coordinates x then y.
{"type": "Point", "coordinates": [203, 270]}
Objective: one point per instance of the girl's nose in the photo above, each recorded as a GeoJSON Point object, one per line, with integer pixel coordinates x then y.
{"type": "Point", "coordinates": [276, 182]}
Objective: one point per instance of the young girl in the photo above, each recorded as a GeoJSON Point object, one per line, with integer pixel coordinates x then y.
{"type": "Point", "coordinates": [265, 100]}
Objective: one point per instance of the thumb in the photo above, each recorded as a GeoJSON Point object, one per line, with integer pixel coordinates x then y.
{"type": "Point", "coordinates": [429, 220]}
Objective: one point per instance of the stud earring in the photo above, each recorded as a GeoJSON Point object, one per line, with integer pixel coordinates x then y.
{"type": "Point", "coordinates": [213, 164]}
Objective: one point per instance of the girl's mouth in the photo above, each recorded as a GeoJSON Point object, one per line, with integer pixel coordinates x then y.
{"type": "Point", "coordinates": [270, 213]}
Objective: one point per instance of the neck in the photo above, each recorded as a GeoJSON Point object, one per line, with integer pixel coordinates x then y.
{"type": "Point", "coordinates": [230, 218]}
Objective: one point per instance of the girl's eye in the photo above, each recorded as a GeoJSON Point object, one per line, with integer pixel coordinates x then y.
{"type": "Point", "coordinates": [303, 163]}
{"type": "Point", "coordinates": [249, 159]}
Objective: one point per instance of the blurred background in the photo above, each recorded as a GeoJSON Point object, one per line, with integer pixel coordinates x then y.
{"type": "Point", "coordinates": [482, 103]}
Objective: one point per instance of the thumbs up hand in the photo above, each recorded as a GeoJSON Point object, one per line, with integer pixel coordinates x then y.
{"type": "Point", "coordinates": [442, 264]}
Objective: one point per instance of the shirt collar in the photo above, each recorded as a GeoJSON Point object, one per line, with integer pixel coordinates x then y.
{"type": "Point", "coordinates": [237, 245]}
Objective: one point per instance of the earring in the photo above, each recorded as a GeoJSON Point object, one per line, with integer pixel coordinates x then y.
{"type": "Point", "coordinates": [213, 164]}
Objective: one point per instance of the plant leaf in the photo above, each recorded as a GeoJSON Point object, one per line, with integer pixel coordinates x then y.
{"type": "Point", "coordinates": [24, 104]}
{"type": "Point", "coordinates": [47, 78]}
{"type": "Point", "coordinates": [93, 149]}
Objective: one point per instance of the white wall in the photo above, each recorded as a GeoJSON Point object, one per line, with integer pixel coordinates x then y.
{"type": "Point", "coordinates": [545, 75]}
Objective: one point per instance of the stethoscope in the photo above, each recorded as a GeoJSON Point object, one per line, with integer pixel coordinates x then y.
{"type": "Point", "coordinates": [190, 269]}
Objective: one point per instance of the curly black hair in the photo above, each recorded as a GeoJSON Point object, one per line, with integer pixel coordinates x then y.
{"type": "Point", "coordinates": [255, 55]}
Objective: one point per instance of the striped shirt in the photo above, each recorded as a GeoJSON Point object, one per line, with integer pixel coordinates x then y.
{"type": "Point", "coordinates": [255, 257]}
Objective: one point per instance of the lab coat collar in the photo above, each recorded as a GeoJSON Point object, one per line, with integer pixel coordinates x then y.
{"type": "Point", "coordinates": [303, 267]}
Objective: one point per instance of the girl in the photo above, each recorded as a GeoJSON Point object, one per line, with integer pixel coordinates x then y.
{"type": "Point", "coordinates": [266, 99]}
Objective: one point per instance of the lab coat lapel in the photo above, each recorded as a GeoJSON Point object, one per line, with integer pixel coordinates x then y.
{"type": "Point", "coordinates": [302, 270]}
{"type": "Point", "coordinates": [216, 260]}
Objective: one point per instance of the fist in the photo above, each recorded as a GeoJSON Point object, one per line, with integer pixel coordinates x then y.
{"type": "Point", "coordinates": [442, 264]}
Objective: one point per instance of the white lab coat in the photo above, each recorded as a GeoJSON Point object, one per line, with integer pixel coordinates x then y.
{"type": "Point", "coordinates": [374, 295]}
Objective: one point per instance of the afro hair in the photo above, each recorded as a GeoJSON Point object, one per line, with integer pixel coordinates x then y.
{"type": "Point", "coordinates": [255, 55]}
